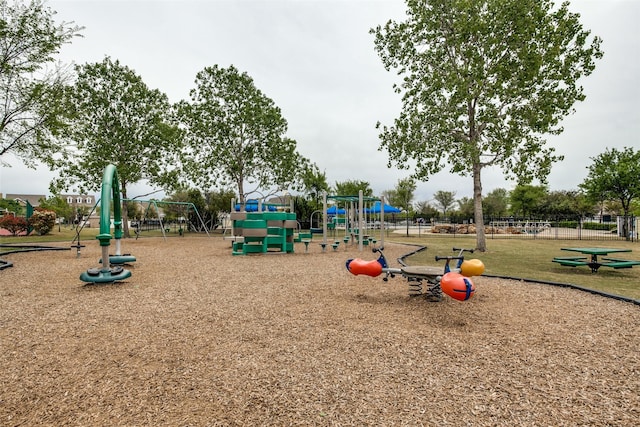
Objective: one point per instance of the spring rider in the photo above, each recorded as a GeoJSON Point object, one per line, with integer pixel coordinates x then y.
{"type": "Point", "coordinates": [107, 273]}
{"type": "Point", "coordinates": [454, 281]}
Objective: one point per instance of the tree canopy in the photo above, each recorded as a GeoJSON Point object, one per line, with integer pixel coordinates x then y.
{"type": "Point", "coordinates": [352, 187]}
{"type": "Point", "coordinates": [402, 196]}
{"type": "Point", "coordinates": [58, 205]}
{"type": "Point", "coordinates": [445, 199]}
{"type": "Point", "coordinates": [314, 182]}
{"type": "Point", "coordinates": [29, 85]}
{"type": "Point", "coordinates": [526, 198]}
{"type": "Point", "coordinates": [483, 81]}
{"type": "Point", "coordinates": [496, 203]}
{"type": "Point", "coordinates": [236, 135]}
{"type": "Point", "coordinates": [403, 193]}
{"type": "Point", "coordinates": [114, 118]}
{"type": "Point", "coordinates": [614, 175]}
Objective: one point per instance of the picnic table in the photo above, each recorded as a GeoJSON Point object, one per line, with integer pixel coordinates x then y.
{"type": "Point", "coordinates": [592, 260]}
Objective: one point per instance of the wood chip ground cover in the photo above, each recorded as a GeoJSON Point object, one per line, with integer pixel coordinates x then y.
{"type": "Point", "coordinates": [198, 337]}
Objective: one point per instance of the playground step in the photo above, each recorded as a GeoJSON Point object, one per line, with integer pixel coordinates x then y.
{"type": "Point", "coordinates": [252, 248]}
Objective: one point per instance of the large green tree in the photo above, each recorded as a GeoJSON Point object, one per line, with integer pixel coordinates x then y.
{"type": "Point", "coordinates": [11, 205]}
{"type": "Point", "coordinates": [402, 196]}
{"type": "Point", "coordinates": [314, 183]}
{"type": "Point", "coordinates": [566, 203]}
{"type": "Point", "coordinates": [179, 212]}
{"type": "Point", "coordinates": [614, 175]}
{"type": "Point", "coordinates": [220, 200]}
{"type": "Point", "coordinates": [496, 203]}
{"type": "Point", "coordinates": [352, 187]}
{"type": "Point", "coordinates": [465, 208]}
{"type": "Point", "coordinates": [115, 118]}
{"type": "Point", "coordinates": [482, 82]}
{"type": "Point", "coordinates": [526, 199]}
{"type": "Point", "coordinates": [425, 210]}
{"type": "Point", "coordinates": [236, 135]}
{"type": "Point", "coordinates": [30, 82]}
{"type": "Point", "coordinates": [445, 199]}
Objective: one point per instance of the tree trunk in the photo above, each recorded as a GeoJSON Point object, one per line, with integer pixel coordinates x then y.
{"type": "Point", "coordinates": [481, 241]}
{"type": "Point", "coordinates": [125, 214]}
{"type": "Point", "coordinates": [242, 201]}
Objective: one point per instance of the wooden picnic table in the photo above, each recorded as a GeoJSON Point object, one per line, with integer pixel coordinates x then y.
{"type": "Point", "coordinates": [592, 259]}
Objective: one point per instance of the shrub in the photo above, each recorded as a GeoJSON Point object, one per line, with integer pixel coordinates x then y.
{"type": "Point", "coordinates": [42, 221]}
{"type": "Point", "coordinates": [567, 224]}
{"type": "Point", "coordinates": [599, 226]}
{"type": "Point", "coordinates": [15, 225]}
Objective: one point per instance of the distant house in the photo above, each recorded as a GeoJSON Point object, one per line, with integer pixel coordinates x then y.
{"type": "Point", "coordinates": [82, 205]}
{"type": "Point", "coordinates": [74, 200]}
{"type": "Point", "coordinates": [33, 199]}
{"type": "Point", "coordinates": [79, 200]}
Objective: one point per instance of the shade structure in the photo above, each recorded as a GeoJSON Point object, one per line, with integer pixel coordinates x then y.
{"type": "Point", "coordinates": [387, 208]}
{"type": "Point", "coordinates": [252, 206]}
{"type": "Point", "coordinates": [334, 210]}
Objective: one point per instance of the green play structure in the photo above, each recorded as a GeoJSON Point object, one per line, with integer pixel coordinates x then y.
{"type": "Point", "coordinates": [263, 232]}
{"type": "Point", "coordinates": [109, 273]}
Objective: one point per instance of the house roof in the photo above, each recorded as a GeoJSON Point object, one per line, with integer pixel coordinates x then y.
{"type": "Point", "coordinates": [34, 199]}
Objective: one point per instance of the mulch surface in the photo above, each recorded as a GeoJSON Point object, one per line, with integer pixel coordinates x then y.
{"type": "Point", "coordinates": [198, 337]}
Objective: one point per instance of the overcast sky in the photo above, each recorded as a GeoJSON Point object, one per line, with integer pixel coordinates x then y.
{"type": "Point", "coordinates": [316, 60]}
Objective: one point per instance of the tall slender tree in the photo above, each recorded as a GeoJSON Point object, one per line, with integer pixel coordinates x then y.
{"type": "Point", "coordinates": [30, 83]}
{"type": "Point", "coordinates": [352, 187]}
{"type": "Point", "coordinates": [115, 118]}
{"type": "Point", "coordinates": [482, 82]}
{"type": "Point", "coordinates": [314, 183]}
{"type": "Point", "coordinates": [445, 199]}
{"type": "Point", "coordinates": [615, 175]}
{"type": "Point", "coordinates": [525, 199]}
{"type": "Point", "coordinates": [402, 196]}
{"type": "Point", "coordinates": [496, 203]}
{"type": "Point", "coordinates": [236, 135]}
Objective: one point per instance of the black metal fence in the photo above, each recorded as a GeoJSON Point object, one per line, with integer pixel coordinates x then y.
{"type": "Point", "coordinates": [558, 228]}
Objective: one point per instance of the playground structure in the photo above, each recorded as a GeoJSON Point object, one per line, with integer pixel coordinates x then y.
{"type": "Point", "coordinates": [354, 222]}
{"type": "Point", "coordinates": [109, 273]}
{"type": "Point", "coordinates": [263, 232]}
{"type": "Point", "coordinates": [248, 236]}
{"type": "Point", "coordinates": [455, 282]}
{"type": "Point", "coordinates": [258, 227]}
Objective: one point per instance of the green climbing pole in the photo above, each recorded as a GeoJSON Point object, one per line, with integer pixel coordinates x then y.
{"type": "Point", "coordinates": [110, 189]}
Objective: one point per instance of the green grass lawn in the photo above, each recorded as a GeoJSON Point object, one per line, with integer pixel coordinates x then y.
{"type": "Point", "coordinates": [531, 259]}
{"type": "Point", "coordinates": [521, 258]}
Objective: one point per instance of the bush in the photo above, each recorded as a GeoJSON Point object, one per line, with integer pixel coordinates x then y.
{"type": "Point", "coordinates": [15, 225]}
{"type": "Point", "coordinates": [567, 224]}
{"type": "Point", "coordinates": [599, 226]}
{"type": "Point", "coordinates": [42, 221]}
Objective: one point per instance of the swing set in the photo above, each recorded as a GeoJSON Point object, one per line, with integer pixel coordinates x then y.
{"type": "Point", "coordinates": [184, 222]}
